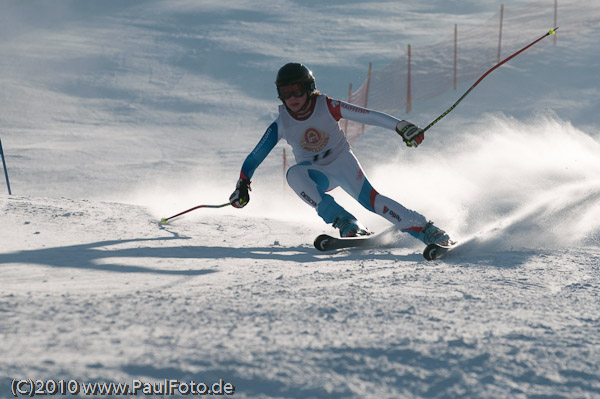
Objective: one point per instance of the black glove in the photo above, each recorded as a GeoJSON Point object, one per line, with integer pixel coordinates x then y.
{"type": "Point", "coordinates": [240, 197]}
{"type": "Point", "coordinates": [411, 134]}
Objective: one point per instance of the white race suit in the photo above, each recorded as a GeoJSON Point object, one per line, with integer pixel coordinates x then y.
{"type": "Point", "coordinates": [324, 161]}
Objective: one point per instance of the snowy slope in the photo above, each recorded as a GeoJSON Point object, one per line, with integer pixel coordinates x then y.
{"type": "Point", "coordinates": [115, 114]}
{"type": "Point", "coordinates": [100, 292]}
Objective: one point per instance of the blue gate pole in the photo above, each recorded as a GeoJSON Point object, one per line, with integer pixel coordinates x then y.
{"type": "Point", "coordinates": [5, 172]}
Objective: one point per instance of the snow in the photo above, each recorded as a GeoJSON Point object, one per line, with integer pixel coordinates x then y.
{"type": "Point", "coordinates": [114, 115]}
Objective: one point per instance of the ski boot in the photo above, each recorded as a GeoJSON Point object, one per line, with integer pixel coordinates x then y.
{"type": "Point", "coordinates": [350, 227]}
{"type": "Point", "coordinates": [431, 234]}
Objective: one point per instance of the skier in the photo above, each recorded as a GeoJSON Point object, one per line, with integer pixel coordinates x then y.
{"type": "Point", "coordinates": [308, 121]}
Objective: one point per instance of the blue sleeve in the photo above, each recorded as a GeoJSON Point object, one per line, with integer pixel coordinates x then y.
{"type": "Point", "coordinates": [260, 152]}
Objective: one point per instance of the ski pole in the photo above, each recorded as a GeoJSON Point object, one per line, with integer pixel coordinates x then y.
{"type": "Point", "coordinates": [5, 171]}
{"type": "Point", "coordinates": [165, 220]}
{"type": "Point", "coordinates": [550, 32]}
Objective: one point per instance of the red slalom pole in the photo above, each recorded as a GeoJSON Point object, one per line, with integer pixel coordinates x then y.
{"type": "Point", "coordinates": [550, 32]}
{"type": "Point", "coordinates": [165, 220]}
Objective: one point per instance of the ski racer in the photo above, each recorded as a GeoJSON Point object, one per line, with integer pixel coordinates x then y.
{"type": "Point", "coordinates": [308, 121]}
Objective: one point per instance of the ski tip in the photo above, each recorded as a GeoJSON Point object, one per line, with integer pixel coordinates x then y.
{"type": "Point", "coordinates": [321, 242]}
{"type": "Point", "coordinates": [434, 251]}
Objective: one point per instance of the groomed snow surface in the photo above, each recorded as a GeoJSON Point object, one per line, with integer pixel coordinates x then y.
{"type": "Point", "coordinates": [118, 115]}
{"type": "Point", "coordinates": [99, 292]}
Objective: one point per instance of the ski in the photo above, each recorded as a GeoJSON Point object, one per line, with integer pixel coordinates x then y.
{"type": "Point", "coordinates": [325, 242]}
{"type": "Point", "coordinates": [436, 251]}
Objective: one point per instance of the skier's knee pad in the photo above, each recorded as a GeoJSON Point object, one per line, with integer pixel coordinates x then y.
{"type": "Point", "coordinates": [296, 174]}
{"type": "Point", "coordinates": [301, 177]}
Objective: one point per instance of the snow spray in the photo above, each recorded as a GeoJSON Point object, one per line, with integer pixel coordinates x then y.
{"type": "Point", "coordinates": [521, 183]}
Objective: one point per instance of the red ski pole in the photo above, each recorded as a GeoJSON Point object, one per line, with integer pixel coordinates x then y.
{"type": "Point", "coordinates": [165, 220]}
{"type": "Point", "coordinates": [550, 32]}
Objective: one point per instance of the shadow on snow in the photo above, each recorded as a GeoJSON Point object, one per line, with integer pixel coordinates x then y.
{"type": "Point", "coordinates": [92, 255]}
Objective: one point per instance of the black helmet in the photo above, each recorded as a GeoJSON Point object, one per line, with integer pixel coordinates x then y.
{"type": "Point", "coordinates": [293, 73]}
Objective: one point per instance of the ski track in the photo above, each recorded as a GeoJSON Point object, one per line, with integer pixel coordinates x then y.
{"type": "Point", "coordinates": [102, 292]}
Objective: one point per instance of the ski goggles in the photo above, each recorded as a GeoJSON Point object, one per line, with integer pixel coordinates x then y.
{"type": "Point", "coordinates": [286, 92]}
